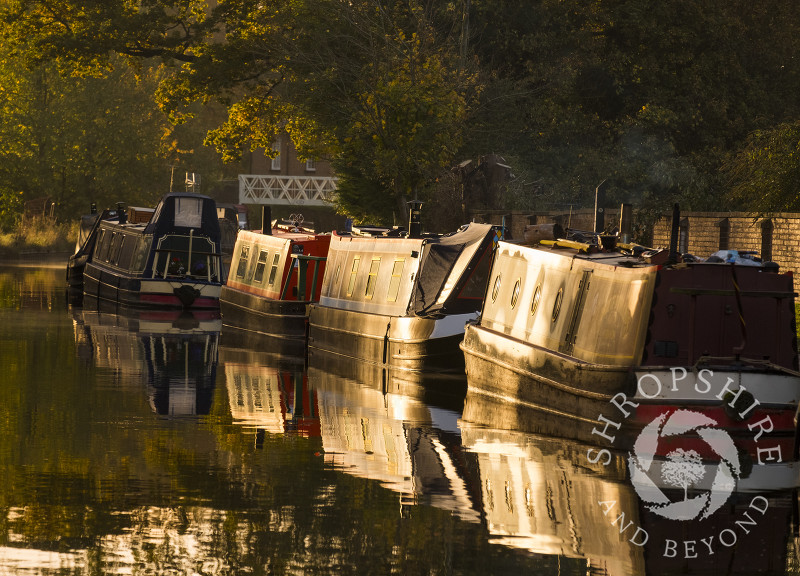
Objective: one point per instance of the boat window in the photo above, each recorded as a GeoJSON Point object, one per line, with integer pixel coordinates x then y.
{"type": "Point", "coordinates": [394, 282]}
{"type": "Point", "coordinates": [372, 278]}
{"type": "Point", "coordinates": [261, 265]}
{"type": "Point", "coordinates": [353, 272]}
{"type": "Point", "coordinates": [139, 258]}
{"type": "Point", "coordinates": [496, 288]}
{"type": "Point", "coordinates": [116, 246]}
{"type": "Point", "coordinates": [98, 246]}
{"type": "Point", "coordinates": [274, 270]}
{"type": "Point", "coordinates": [108, 239]}
{"type": "Point", "coordinates": [557, 304]}
{"type": "Point", "coordinates": [127, 247]}
{"type": "Point", "coordinates": [515, 294]}
{"type": "Point", "coordinates": [242, 268]}
{"type": "Point", "coordinates": [188, 212]}
{"type": "Point", "coordinates": [537, 295]}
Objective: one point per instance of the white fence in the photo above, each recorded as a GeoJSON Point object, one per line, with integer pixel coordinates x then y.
{"type": "Point", "coordinates": [290, 190]}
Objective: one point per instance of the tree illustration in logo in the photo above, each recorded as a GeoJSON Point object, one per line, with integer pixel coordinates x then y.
{"type": "Point", "coordinates": [683, 469]}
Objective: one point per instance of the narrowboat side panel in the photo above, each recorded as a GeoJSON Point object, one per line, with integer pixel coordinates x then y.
{"type": "Point", "coordinates": [259, 264]}
{"type": "Point", "coordinates": [580, 307]}
{"type": "Point", "coordinates": [512, 369]}
{"type": "Point", "coordinates": [256, 297]}
{"type": "Point", "coordinates": [262, 263]}
{"type": "Point", "coordinates": [507, 383]}
{"type": "Point", "coordinates": [406, 343]}
{"type": "Point", "coordinates": [372, 275]}
{"type": "Point", "coordinates": [429, 342]}
{"type": "Point", "coordinates": [401, 302]}
{"type": "Point", "coordinates": [666, 354]}
{"type": "Point", "coordinates": [347, 333]}
{"type": "Point", "coordinates": [253, 313]}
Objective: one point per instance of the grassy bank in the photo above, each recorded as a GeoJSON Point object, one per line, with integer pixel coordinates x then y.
{"type": "Point", "coordinates": [38, 236]}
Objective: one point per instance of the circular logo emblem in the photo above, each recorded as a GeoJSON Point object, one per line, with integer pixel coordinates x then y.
{"type": "Point", "coordinates": [684, 468]}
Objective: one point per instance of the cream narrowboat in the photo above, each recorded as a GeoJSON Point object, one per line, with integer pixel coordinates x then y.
{"type": "Point", "coordinates": [401, 302]}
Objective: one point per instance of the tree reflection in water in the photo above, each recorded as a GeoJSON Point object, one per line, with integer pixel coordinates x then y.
{"type": "Point", "coordinates": [95, 480]}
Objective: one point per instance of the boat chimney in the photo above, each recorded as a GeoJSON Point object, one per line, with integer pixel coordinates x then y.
{"type": "Point", "coordinates": [93, 208]}
{"type": "Point", "coordinates": [673, 235]}
{"type": "Point", "coordinates": [121, 214]}
{"type": "Point", "coordinates": [266, 220]}
{"type": "Point", "coordinates": [599, 212]}
{"type": "Point", "coordinates": [625, 223]}
{"type": "Point", "coordinates": [414, 219]}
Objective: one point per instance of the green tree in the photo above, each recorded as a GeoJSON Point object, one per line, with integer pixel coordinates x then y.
{"type": "Point", "coordinates": [78, 140]}
{"type": "Point", "coordinates": [379, 89]}
{"type": "Point", "coordinates": [764, 175]}
{"type": "Point", "coordinates": [81, 139]}
{"type": "Point", "coordinates": [649, 97]}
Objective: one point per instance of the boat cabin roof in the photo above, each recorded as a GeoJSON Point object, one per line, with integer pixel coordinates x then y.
{"type": "Point", "coordinates": [296, 236]}
{"type": "Point", "coordinates": [623, 255]}
{"type": "Point", "coordinates": [183, 211]}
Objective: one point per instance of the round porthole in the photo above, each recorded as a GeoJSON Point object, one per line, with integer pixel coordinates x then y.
{"type": "Point", "coordinates": [515, 294]}
{"type": "Point", "coordinates": [537, 295]}
{"type": "Point", "coordinates": [557, 304]}
{"type": "Point", "coordinates": [496, 288]}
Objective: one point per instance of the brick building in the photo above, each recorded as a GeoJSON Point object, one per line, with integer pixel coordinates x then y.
{"type": "Point", "coordinates": [286, 161]}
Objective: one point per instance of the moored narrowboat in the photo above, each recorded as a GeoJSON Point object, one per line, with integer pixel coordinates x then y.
{"type": "Point", "coordinates": [612, 339]}
{"type": "Point", "coordinates": [401, 302]}
{"type": "Point", "coordinates": [273, 277]}
{"type": "Point", "coordinates": [171, 261]}
{"type": "Point", "coordinates": [87, 236]}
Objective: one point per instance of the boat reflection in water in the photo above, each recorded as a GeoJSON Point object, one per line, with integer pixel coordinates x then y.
{"type": "Point", "coordinates": [393, 433]}
{"type": "Point", "coordinates": [269, 393]}
{"type": "Point", "coordinates": [663, 506]}
{"type": "Point", "coordinates": [173, 352]}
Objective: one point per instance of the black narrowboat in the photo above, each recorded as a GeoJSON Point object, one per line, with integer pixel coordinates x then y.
{"type": "Point", "coordinates": [171, 261]}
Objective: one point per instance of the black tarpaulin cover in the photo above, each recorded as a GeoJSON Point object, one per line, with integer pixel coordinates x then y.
{"type": "Point", "coordinates": [446, 263]}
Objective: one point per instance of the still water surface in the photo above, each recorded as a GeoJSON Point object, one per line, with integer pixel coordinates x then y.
{"type": "Point", "coordinates": [152, 444]}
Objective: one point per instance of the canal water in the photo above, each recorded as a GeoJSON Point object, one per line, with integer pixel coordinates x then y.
{"type": "Point", "coordinates": [156, 443]}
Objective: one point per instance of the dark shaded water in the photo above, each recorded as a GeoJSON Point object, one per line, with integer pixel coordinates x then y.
{"type": "Point", "coordinates": [151, 444]}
